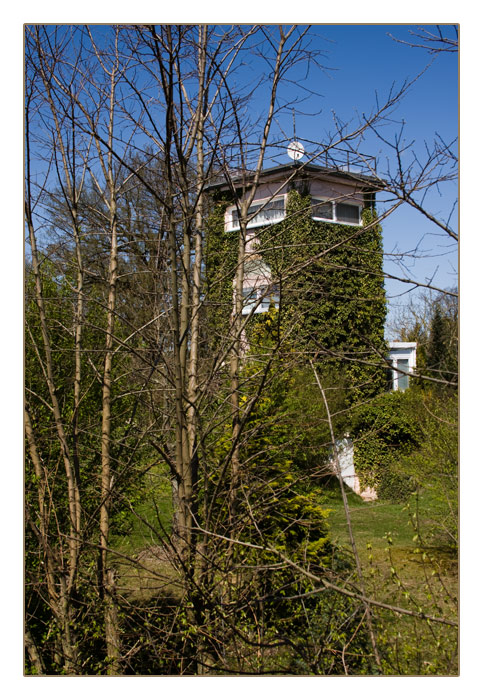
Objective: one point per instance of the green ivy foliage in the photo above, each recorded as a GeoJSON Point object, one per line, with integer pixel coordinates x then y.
{"type": "Point", "coordinates": [221, 254]}
{"type": "Point", "coordinates": [302, 409]}
{"type": "Point", "coordinates": [332, 294]}
{"type": "Point", "coordinates": [383, 430]}
{"type": "Point", "coordinates": [338, 294]}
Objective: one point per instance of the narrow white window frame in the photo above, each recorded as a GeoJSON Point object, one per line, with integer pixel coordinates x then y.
{"type": "Point", "coordinates": [253, 223]}
{"type": "Point", "coordinates": [401, 351]}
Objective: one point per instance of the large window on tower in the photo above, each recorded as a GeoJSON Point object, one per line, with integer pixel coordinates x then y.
{"type": "Point", "coordinates": [342, 212]}
{"type": "Point", "coordinates": [322, 210]}
{"type": "Point", "coordinates": [260, 213]}
{"type": "Point", "coordinates": [348, 213]}
{"type": "Point", "coordinates": [264, 212]}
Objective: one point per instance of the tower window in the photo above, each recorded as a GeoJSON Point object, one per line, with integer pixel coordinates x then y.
{"type": "Point", "coordinates": [347, 213]}
{"type": "Point", "coordinates": [342, 212]}
{"type": "Point", "coordinates": [260, 213]}
{"type": "Point", "coordinates": [322, 210]}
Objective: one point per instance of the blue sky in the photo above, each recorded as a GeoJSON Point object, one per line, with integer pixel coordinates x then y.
{"type": "Point", "coordinates": [362, 64]}
{"type": "Point", "coordinates": [363, 60]}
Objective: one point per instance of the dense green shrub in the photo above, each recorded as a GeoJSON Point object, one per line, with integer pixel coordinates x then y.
{"type": "Point", "coordinates": [408, 441]}
{"type": "Point", "coordinates": [394, 485]}
{"type": "Point", "coordinates": [280, 505]}
{"type": "Point", "coordinates": [383, 430]}
{"type": "Point", "coordinates": [434, 465]}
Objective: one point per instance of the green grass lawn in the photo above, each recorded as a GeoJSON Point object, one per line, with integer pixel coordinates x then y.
{"type": "Point", "coordinates": [151, 517]}
{"type": "Point", "coordinates": [399, 568]}
{"type": "Point", "coordinates": [373, 521]}
{"type": "Point", "coordinates": [407, 567]}
{"type": "Point", "coordinates": [370, 521]}
{"type": "Point", "coordinates": [394, 535]}
{"type": "Point", "coordinates": [142, 560]}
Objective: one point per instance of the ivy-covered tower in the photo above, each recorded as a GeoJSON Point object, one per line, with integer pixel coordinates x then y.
{"type": "Point", "coordinates": [314, 252]}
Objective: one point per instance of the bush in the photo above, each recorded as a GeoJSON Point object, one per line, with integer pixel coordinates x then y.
{"type": "Point", "coordinates": [395, 486]}
{"type": "Point", "coordinates": [384, 430]}
{"type": "Point", "coordinates": [434, 465]}
{"type": "Point", "coordinates": [408, 441]}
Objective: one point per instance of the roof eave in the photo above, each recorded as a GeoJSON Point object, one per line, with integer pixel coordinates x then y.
{"type": "Point", "coordinates": [239, 180]}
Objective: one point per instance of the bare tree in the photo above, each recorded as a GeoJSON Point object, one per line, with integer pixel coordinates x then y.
{"type": "Point", "coordinates": [61, 573]}
{"type": "Point", "coordinates": [443, 38]}
{"type": "Point", "coordinates": [142, 119]}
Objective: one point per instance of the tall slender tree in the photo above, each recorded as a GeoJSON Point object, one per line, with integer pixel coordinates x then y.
{"type": "Point", "coordinates": [138, 365]}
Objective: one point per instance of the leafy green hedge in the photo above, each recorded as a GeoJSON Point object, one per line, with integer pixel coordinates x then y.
{"type": "Point", "coordinates": [405, 441]}
{"type": "Point", "coordinates": [384, 430]}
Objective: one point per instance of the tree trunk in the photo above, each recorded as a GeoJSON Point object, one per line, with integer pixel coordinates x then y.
{"type": "Point", "coordinates": [34, 655]}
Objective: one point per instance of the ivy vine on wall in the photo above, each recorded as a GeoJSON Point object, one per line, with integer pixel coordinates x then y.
{"type": "Point", "coordinates": [332, 299]}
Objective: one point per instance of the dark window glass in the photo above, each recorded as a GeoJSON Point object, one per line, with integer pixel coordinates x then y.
{"type": "Point", "coordinates": [348, 213]}
{"type": "Point", "coordinates": [322, 210]}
